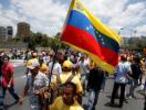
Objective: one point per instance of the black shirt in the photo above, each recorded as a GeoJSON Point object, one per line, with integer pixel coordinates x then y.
{"type": "Point", "coordinates": [136, 71]}
{"type": "Point", "coordinates": [95, 79]}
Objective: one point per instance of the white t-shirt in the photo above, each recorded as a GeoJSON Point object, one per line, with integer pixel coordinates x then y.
{"type": "Point", "coordinates": [122, 70]}
{"type": "Point", "coordinates": [84, 66]}
{"type": "Point", "coordinates": [46, 59]}
{"type": "Point", "coordinates": [56, 69]}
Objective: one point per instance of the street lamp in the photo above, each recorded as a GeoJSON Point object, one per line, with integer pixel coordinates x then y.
{"type": "Point", "coordinates": [135, 32]}
{"type": "Point", "coordinates": [120, 30]}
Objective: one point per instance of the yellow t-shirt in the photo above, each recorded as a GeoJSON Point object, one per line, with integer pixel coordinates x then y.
{"type": "Point", "coordinates": [59, 105]}
{"type": "Point", "coordinates": [30, 61]}
{"type": "Point", "coordinates": [64, 77]}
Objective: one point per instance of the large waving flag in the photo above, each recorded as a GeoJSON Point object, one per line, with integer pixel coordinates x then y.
{"type": "Point", "coordinates": [88, 34]}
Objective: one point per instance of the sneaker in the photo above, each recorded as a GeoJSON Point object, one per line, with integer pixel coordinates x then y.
{"type": "Point", "coordinates": [1, 107]}
{"type": "Point", "coordinates": [111, 104]}
{"type": "Point", "coordinates": [101, 91]}
{"type": "Point", "coordinates": [142, 92]}
{"type": "Point", "coordinates": [120, 105]}
{"type": "Point", "coordinates": [129, 97]}
{"type": "Point", "coordinates": [126, 101]}
{"type": "Point", "coordinates": [133, 96]}
{"type": "Point", "coordinates": [16, 101]}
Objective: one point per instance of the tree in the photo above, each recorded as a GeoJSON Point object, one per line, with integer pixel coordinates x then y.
{"type": "Point", "coordinates": [31, 43]}
{"type": "Point", "coordinates": [45, 41]}
{"type": "Point", "coordinates": [16, 39]}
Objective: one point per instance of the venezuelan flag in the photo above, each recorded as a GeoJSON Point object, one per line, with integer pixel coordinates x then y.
{"type": "Point", "coordinates": [88, 34]}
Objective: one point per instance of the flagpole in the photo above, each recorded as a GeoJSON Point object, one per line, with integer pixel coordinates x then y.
{"type": "Point", "coordinates": [54, 59]}
{"type": "Point", "coordinates": [55, 49]}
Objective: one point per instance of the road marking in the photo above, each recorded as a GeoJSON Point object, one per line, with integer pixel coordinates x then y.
{"type": "Point", "coordinates": [17, 63]}
{"type": "Point", "coordinates": [21, 77]}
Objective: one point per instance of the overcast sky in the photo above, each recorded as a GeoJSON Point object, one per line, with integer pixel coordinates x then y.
{"type": "Point", "coordinates": [47, 16]}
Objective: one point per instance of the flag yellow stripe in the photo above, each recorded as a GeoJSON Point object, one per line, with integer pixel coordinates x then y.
{"type": "Point", "coordinates": [102, 28]}
{"type": "Point", "coordinates": [105, 66]}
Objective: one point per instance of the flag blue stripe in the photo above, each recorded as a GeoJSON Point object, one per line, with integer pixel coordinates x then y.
{"type": "Point", "coordinates": [79, 20]}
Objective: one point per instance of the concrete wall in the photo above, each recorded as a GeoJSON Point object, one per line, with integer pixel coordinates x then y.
{"type": "Point", "coordinates": [13, 45]}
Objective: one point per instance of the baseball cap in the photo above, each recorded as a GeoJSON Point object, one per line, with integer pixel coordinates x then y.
{"type": "Point", "coordinates": [67, 64]}
{"type": "Point", "coordinates": [44, 68]}
{"type": "Point", "coordinates": [33, 65]}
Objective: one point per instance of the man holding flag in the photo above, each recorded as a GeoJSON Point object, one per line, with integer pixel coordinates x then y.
{"type": "Point", "coordinates": [84, 32]}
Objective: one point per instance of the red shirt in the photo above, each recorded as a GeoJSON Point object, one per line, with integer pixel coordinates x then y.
{"type": "Point", "coordinates": [7, 72]}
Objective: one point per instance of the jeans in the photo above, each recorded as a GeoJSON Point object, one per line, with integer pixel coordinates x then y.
{"type": "Point", "coordinates": [133, 85]}
{"type": "Point", "coordinates": [1, 99]}
{"type": "Point", "coordinates": [84, 80]}
{"type": "Point", "coordinates": [145, 86]}
{"type": "Point", "coordinates": [11, 91]}
{"type": "Point", "coordinates": [103, 83]}
{"type": "Point", "coordinates": [145, 104]}
{"type": "Point", "coordinates": [90, 100]}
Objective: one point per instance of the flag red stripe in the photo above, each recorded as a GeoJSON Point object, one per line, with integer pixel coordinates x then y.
{"type": "Point", "coordinates": [86, 41]}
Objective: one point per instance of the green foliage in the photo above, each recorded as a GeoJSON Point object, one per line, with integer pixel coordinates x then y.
{"type": "Point", "coordinates": [42, 40]}
{"type": "Point", "coordinates": [39, 39]}
{"type": "Point", "coordinates": [134, 43]}
{"type": "Point", "coordinates": [16, 39]}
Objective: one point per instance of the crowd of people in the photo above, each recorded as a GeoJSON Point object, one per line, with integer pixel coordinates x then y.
{"type": "Point", "coordinates": [69, 80]}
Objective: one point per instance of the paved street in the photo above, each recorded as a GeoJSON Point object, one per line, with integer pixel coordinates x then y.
{"type": "Point", "coordinates": [104, 97]}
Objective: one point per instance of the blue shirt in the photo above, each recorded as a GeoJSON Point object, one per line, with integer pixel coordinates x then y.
{"type": "Point", "coordinates": [122, 70]}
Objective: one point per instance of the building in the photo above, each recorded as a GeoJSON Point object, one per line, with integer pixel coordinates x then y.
{"type": "Point", "coordinates": [6, 33]}
{"type": "Point", "coordinates": [3, 33]}
{"type": "Point", "coordinates": [23, 30]}
{"type": "Point", "coordinates": [9, 32]}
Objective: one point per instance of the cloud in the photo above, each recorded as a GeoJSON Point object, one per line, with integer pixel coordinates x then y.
{"type": "Point", "coordinates": [48, 16]}
{"type": "Point", "coordinates": [104, 8]}
{"type": "Point", "coordinates": [131, 17]}
{"type": "Point", "coordinates": [6, 17]}
{"type": "Point", "coordinates": [0, 6]}
{"type": "Point", "coordinates": [141, 29]}
{"type": "Point", "coordinates": [10, 17]}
